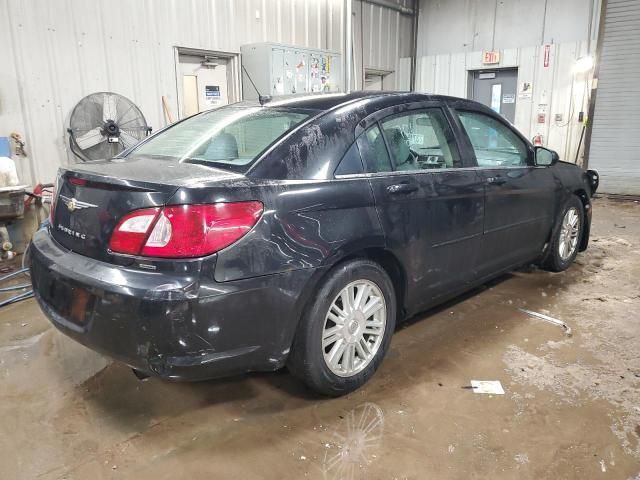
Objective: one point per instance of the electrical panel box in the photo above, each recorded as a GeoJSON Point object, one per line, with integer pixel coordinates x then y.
{"type": "Point", "coordinates": [275, 69]}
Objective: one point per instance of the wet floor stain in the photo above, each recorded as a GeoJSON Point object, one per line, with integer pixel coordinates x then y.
{"type": "Point", "coordinates": [571, 408]}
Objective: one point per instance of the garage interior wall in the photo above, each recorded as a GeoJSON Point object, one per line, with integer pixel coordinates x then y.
{"type": "Point", "coordinates": [55, 53]}
{"type": "Point", "coordinates": [557, 89]}
{"type": "Point", "coordinates": [383, 38]}
{"type": "Point", "coordinates": [452, 35]}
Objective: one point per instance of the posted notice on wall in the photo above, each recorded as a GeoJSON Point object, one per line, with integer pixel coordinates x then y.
{"type": "Point", "coordinates": [496, 93]}
{"type": "Point", "coordinates": [212, 95]}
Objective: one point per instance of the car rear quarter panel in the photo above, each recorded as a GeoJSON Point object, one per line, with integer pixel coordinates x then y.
{"type": "Point", "coordinates": [305, 224]}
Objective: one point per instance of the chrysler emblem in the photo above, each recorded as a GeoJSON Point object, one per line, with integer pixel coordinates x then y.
{"type": "Point", "coordinates": [72, 204]}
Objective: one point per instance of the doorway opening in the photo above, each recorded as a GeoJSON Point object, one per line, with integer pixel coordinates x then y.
{"type": "Point", "coordinates": [205, 80]}
{"type": "Point", "coordinates": [375, 79]}
{"type": "Point", "coordinates": [495, 88]}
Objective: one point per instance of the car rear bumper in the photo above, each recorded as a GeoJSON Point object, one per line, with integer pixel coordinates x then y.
{"type": "Point", "coordinates": [175, 326]}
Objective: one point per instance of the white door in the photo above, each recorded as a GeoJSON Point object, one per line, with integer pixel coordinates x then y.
{"type": "Point", "coordinates": [190, 101]}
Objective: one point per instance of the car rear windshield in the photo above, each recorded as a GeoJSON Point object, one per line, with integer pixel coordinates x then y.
{"type": "Point", "coordinates": [229, 138]}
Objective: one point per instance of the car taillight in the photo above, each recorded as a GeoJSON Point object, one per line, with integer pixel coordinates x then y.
{"type": "Point", "coordinates": [54, 200]}
{"type": "Point", "coordinates": [132, 231]}
{"type": "Point", "coordinates": [182, 231]}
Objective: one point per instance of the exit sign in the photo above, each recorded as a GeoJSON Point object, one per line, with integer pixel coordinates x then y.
{"type": "Point", "coordinates": [490, 57]}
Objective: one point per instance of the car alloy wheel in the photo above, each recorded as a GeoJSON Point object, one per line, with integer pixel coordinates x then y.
{"type": "Point", "coordinates": [354, 328]}
{"type": "Point", "coordinates": [569, 232]}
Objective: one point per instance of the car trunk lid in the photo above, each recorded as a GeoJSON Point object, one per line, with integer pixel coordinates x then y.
{"type": "Point", "coordinates": [91, 198]}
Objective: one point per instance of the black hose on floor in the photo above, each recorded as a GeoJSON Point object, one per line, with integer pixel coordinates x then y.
{"type": "Point", "coordinates": [21, 296]}
{"type": "Point", "coordinates": [17, 298]}
{"type": "Point", "coordinates": [15, 287]}
{"type": "Point", "coordinates": [14, 274]}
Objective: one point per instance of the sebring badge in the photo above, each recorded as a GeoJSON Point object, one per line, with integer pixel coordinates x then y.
{"type": "Point", "coordinates": [72, 204]}
{"type": "Point", "coordinates": [73, 233]}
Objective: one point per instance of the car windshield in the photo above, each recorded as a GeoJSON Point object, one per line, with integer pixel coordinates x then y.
{"type": "Point", "coordinates": [229, 138]}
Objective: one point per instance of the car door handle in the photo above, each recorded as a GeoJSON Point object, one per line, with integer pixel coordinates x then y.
{"type": "Point", "coordinates": [402, 188]}
{"type": "Point", "coordinates": [497, 180]}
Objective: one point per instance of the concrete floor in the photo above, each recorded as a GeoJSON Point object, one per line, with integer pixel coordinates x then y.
{"type": "Point", "coordinates": [571, 408]}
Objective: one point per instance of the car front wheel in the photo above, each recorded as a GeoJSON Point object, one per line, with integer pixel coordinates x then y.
{"type": "Point", "coordinates": [566, 238]}
{"type": "Point", "coordinates": [344, 335]}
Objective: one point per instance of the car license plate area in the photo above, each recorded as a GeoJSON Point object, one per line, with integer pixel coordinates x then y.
{"type": "Point", "coordinates": [71, 302]}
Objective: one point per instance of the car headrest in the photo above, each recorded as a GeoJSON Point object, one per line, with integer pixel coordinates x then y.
{"type": "Point", "coordinates": [398, 144]}
{"type": "Point", "coordinates": [222, 147]}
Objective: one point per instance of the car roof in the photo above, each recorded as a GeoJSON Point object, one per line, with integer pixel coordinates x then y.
{"type": "Point", "coordinates": [329, 101]}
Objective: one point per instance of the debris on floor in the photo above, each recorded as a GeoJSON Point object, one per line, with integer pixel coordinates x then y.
{"type": "Point", "coordinates": [547, 318]}
{"type": "Point", "coordinates": [491, 387]}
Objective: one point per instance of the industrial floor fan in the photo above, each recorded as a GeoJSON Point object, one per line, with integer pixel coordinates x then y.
{"type": "Point", "coordinates": [104, 124]}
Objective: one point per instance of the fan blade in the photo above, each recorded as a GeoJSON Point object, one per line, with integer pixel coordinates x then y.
{"type": "Point", "coordinates": [127, 139]}
{"type": "Point", "coordinates": [90, 139]}
{"type": "Point", "coordinates": [122, 112]}
{"type": "Point", "coordinates": [109, 110]}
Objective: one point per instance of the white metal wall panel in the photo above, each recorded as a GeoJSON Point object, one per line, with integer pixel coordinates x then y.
{"type": "Point", "coordinates": [556, 88]}
{"type": "Point", "coordinates": [615, 138]}
{"type": "Point", "coordinates": [56, 52]}
{"type": "Point", "coordinates": [451, 26]}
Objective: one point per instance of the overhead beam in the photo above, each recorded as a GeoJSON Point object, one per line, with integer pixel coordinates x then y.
{"type": "Point", "coordinates": [392, 6]}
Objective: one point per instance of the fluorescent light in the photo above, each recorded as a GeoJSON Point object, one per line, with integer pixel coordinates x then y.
{"type": "Point", "coordinates": [583, 64]}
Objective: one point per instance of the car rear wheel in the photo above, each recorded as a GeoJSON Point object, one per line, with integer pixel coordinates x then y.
{"type": "Point", "coordinates": [344, 335]}
{"type": "Point", "coordinates": [567, 236]}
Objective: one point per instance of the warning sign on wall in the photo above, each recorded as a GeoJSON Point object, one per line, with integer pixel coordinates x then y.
{"type": "Point", "coordinates": [212, 95]}
{"type": "Point", "coordinates": [547, 55]}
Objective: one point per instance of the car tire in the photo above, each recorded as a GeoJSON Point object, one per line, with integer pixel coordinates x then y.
{"type": "Point", "coordinates": [566, 237]}
{"type": "Point", "coordinates": [318, 361]}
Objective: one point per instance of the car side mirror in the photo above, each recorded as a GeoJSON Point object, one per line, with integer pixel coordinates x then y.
{"type": "Point", "coordinates": [546, 157]}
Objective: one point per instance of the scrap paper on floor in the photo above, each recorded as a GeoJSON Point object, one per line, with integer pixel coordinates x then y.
{"type": "Point", "coordinates": [493, 387]}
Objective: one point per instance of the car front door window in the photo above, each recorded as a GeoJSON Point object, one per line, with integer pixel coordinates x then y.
{"type": "Point", "coordinates": [494, 144]}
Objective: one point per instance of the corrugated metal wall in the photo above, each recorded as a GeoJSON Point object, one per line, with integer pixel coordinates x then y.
{"type": "Point", "coordinates": [56, 52]}
{"type": "Point", "coordinates": [449, 26]}
{"type": "Point", "coordinates": [556, 89]}
{"type": "Point", "coordinates": [381, 48]}
{"type": "Point", "coordinates": [615, 138]}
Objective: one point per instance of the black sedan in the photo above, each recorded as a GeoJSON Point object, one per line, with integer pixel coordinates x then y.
{"type": "Point", "coordinates": [298, 233]}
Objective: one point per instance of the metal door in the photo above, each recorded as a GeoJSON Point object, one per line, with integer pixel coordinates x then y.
{"type": "Point", "coordinates": [497, 90]}
{"type": "Point", "coordinates": [296, 70]}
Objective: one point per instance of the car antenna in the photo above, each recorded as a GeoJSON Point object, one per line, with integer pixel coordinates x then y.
{"type": "Point", "coordinates": [261, 98]}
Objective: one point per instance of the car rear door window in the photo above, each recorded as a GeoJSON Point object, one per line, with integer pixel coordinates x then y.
{"type": "Point", "coordinates": [374, 151]}
{"type": "Point", "coordinates": [494, 143]}
{"type": "Point", "coordinates": [351, 163]}
{"type": "Point", "coordinates": [421, 140]}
